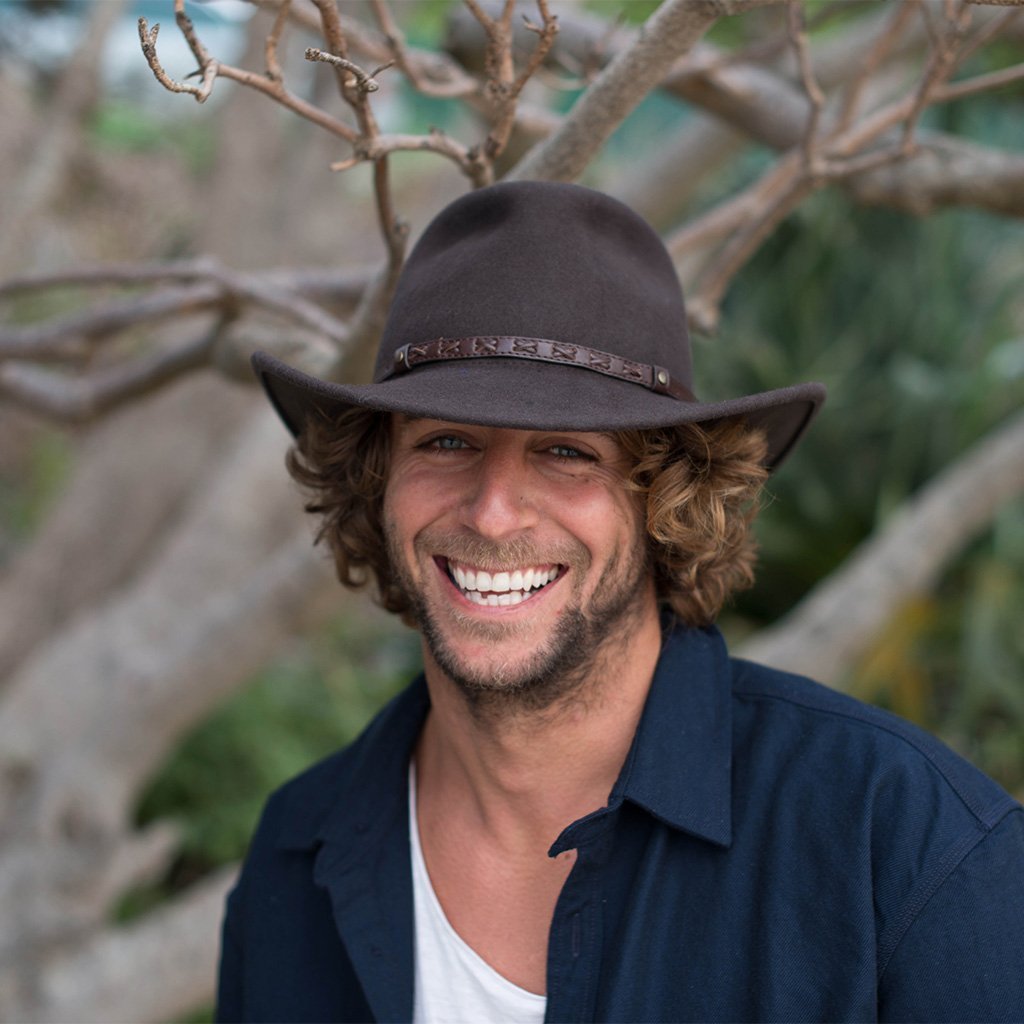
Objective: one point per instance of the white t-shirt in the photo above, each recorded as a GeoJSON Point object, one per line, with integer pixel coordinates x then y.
{"type": "Point", "coordinates": [454, 985]}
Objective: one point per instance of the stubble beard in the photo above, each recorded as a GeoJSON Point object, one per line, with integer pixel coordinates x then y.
{"type": "Point", "coordinates": [573, 652]}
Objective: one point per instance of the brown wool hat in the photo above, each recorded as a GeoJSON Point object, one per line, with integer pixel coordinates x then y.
{"type": "Point", "coordinates": [538, 306]}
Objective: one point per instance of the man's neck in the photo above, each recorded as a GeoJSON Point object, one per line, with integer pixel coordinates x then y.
{"type": "Point", "coordinates": [522, 777]}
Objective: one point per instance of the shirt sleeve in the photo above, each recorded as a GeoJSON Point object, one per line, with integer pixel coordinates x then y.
{"type": "Point", "coordinates": [229, 980]}
{"type": "Point", "coordinates": [962, 958]}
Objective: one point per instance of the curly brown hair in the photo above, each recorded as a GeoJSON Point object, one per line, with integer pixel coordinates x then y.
{"type": "Point", "coordinates": [699, 484]}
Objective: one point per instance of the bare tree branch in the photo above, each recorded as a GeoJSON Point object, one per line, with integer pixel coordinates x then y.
{"type": "Point", "coordinates": [270, 84]}
{"type": "Point", "coordinates": [946, 171]}
{"type": "Point", "coordinates": [835, 156]}
{"type": "Point", "coordinates": [815, 97]}
{"type": "Point", "coordinates": [62, 338]}
{"type": "Point", "coordinates": [128, 484]}
{"type": "Point", "coordinates": [365, 81]}
{"type": "Point", "coordinates": [670, 32]}
{"type": "Point", "coordinates": [147, 37]}
{"type": "Point", "coordinates": [873, 57]}
{"type": "Point", "coordinates": [274, 71]}
{"type": "Point", "coordinates": [77, 400]}
{"type": "Point", "coordinates": [327, 284]}
{"type": "Point", "coordinates": [833, 626]}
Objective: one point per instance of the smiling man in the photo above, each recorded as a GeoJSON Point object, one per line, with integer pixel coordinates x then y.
{"type": "Point", "coordinates": [584, 809]}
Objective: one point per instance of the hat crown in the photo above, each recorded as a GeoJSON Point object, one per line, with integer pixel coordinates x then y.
{"type": "Point", "coordinates": [542, 260]}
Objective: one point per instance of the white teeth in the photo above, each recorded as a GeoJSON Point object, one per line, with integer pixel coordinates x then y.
{"type": "Point", "coordinates": [502, 589]}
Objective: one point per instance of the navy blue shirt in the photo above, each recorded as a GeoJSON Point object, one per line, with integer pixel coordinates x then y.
{"type": "Point", "coordinates": [771, 851]}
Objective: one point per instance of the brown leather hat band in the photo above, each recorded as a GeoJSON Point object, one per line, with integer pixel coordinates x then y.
{"type": "Point", "coordinates": [654, 378]}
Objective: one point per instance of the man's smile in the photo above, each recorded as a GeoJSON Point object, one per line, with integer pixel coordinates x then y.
{"type": "Point", "coordinates": [499, 588]}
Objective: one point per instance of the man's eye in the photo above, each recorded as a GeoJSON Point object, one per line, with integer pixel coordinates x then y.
{"type": "Point", "coordinates": [447, 443]}
{"type": "Point", "coordinates": [567, 452]}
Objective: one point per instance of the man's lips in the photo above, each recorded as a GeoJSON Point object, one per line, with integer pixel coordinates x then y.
{"type": "Point", "coordinates": [499, 587]}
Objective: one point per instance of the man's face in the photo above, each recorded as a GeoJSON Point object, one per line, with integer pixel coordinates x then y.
{"type": "Point", "coordinates": [522, 552]}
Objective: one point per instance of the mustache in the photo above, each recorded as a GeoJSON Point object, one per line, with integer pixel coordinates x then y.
{"type": "Point", "coordinates": [507, 555]}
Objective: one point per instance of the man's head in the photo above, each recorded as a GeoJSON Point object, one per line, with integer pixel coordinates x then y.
{"type": "Point", "coordinates": [522, 555]}
{"type": "Point", "coordinates": [534, 318]}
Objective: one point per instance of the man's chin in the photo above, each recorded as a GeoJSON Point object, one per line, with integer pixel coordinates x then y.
{"type": "Point", "coordinates": [507, 672]}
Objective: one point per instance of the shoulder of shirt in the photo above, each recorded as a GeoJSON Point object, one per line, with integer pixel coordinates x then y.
{"type": "Point", "coordinates": [294, 813]}
{"type": "Point", "coordinates": [889, 742]}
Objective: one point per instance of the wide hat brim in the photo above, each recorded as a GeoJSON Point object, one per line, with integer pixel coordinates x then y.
{"type": "Point", "coordinates": [526, 395]}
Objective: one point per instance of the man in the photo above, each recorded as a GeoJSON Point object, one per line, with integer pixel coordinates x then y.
{"type": "Point", "coordinates": [584, 810]}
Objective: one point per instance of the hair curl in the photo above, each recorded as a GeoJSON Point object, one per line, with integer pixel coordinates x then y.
{"type": "Point", "coordinates": [698, 484]}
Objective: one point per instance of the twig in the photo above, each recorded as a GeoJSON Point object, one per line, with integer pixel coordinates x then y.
{"type": "Point", "coordinates": [815, 97]}
{"type": "Point", "coordinates": [979, 83]}
{"type": "Point", "coordinates": [276, 91]}
{"type": "Point", "coordinates": [783, 189]}
{"type": "Point", "coordinates": [545, 33]}
{"type": "Point", "coordinates": [989, 30]}
{"type": "Point", "coordinates": [394, 229]}
{"type": "Point", "coordinates": [274, 72]}
{"type": "Point", "coordinates": [188, 30]}
{"type": "Point", "coordinates": [334, 33]}
{"type": "Point", "coordinates": [364, 81]}
{"type": "Point", "coordinates": [505, 86]}
{"type": "Point", "coordinates": [877, 53]}
{"type": "Point", "coordinates": [940, 67]}
{"type": "Point", "coordinates": [266, 84]}
{"type": "Point", "coordinates": [721, 220]}
{"type": "Point", "coordinates": [148, 39]}
{"type": "Point", "coordinates": [428, 73]}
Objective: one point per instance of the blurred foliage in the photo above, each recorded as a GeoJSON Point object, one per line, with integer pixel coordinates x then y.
{"type": "Point", "coordinates": [122, 125]}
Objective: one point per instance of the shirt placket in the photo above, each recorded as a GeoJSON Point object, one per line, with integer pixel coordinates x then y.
{"type": "Point", "coordinates": [574, 941]}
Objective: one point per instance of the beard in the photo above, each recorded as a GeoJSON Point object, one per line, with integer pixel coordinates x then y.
{"type": "Point", "coordinates": [571, 651]}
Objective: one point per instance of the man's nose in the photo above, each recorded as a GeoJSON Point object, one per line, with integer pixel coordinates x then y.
{"type": "Point", "coordinates": [500, 502]}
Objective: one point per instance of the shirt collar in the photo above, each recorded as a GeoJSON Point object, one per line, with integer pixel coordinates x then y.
{"type": "Point", "coordinates": [679, 767]}
{"type": "Point", "coordinates": [360, 788]}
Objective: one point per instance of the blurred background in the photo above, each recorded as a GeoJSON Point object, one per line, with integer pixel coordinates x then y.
{"type": "Point", "coordinates": [172, 648]}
